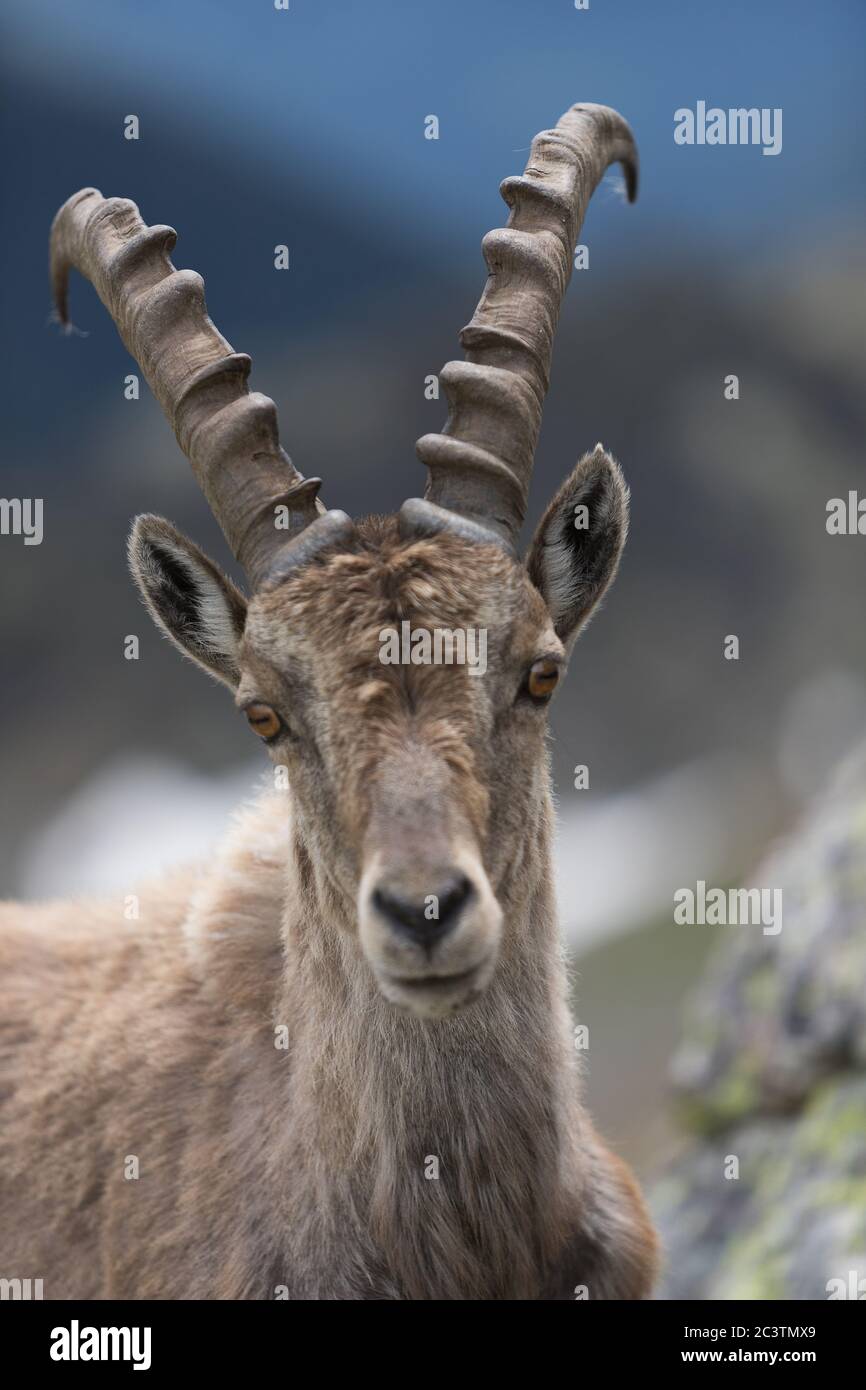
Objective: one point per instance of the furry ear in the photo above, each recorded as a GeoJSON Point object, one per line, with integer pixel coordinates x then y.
{"type": "Point", "coordinates": [575, 550]}
{"type": "Point", "coordinates": [188, 597]}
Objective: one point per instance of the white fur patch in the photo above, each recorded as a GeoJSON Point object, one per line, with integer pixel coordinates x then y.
{"type": "Point", "coordinates": [217, 630]}
{"type": "Point", "coordinates": [557, 562]}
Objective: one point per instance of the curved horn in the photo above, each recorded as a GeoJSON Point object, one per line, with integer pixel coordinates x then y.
{"type": "Point", "coordinates": [480, 465]}
{"type": "Point", "coordinates": [228, 433]}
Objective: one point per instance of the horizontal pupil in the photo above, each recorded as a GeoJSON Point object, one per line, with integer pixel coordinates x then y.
{"type": "Point", "coordinates": [261, 718]}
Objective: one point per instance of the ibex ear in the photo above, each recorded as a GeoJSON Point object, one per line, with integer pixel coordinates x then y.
{"type": "Point", "coordinates": [575, 551]}
{"type": "Point", "coordinates": [188, 596]}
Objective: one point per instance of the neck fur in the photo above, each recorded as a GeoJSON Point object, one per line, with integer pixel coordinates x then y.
{"type": "Point", "coordinates": [441, 1144]}
{"type": "Point", "coordinates": [453, 1130]}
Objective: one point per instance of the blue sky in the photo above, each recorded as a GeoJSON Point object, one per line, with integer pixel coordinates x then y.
{"type": "Point", "coordinates": [343, 87]}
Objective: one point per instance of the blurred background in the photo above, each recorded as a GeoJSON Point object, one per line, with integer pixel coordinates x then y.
{"type": "Point", "coordinates": [306, 127]}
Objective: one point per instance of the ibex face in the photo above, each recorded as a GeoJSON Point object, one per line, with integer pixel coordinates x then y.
{"type": "Point", "coordinates": [394, 763]}
{"type": "Point", "coordinates": [413, 783]}
{"type": "Point", "coordinates": [414, 776]}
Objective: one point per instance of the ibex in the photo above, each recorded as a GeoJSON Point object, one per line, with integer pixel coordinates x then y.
{"type": "Point", "coordinates": [338, 1061]}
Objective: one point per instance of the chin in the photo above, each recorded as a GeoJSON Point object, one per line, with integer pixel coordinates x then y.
{"type": "Point", "coordinates": [433, 996]}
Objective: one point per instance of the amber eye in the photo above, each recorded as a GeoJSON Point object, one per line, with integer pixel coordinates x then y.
{"type": "Point", "coordinates": [263, 720]}
{"type": "Point", "coordinates": [542, 678]}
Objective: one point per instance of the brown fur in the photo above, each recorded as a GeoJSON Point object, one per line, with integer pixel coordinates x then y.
{"type": "Point", "coordinates": [302, 1169]}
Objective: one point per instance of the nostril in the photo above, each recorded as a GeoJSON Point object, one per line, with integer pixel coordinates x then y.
{"type": "Point", "coordinates": [453, 897]}
{"type": "Point", "coordinates": [429, 918]}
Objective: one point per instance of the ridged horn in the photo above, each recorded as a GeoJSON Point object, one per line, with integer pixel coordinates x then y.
{"type": "Point", "coordinates": [481, 464]}
{"type": "Point", "coordinates": [228, 433]}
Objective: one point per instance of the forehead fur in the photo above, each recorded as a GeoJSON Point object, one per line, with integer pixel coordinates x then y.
{"type": "Point", "coordinates": [438, 581]}
{"type": "Point", "coordinates": [314, 643]}
{"type": "Point", "coordinates": [313, 647]}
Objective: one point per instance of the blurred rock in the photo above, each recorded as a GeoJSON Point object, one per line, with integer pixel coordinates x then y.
{"type": "Point", "coordinates": [772, 1072]}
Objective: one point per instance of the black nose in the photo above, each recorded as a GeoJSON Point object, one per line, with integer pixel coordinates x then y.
{"type": "Point", "coordinates": [428, 919]}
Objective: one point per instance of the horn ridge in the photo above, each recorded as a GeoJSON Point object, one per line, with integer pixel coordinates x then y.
{"type": "Point", "coordinates": [229, 434]}
{"type": "Point", "coordinates": [495, 409]}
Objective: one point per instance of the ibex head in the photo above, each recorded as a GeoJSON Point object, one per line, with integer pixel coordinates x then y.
{"type": "Point", "coordinates": [414, 783]}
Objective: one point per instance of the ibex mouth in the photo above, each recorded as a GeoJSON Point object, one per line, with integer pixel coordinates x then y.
{"type": "Point", "coordinates": [437, 996]}
{"type": "Point", "coordinates": [443, 982]}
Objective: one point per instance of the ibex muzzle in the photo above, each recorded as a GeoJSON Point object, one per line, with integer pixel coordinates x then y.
{"type": "Point", "coordinates": [429, 921]}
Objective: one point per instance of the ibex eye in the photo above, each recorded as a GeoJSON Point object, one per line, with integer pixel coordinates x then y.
{"type": "Point", "coordinates": [263, 721]}
{"type": "Point", "coordinates": [542, 678]}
